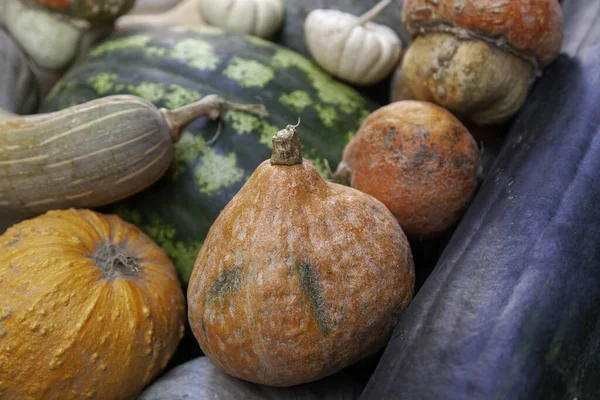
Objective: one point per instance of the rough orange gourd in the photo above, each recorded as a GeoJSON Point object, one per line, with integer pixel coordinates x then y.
{"type": "Point", "coordinates": [90, 308]}
{"type": "Point", "coordinates": [419, 160]}
{"type": "Point", "coordinates": [479, 58]}
{"type": "Point", "coordinates": [298, 277]}
{"type": "Point", "coordinates": [532, 28]}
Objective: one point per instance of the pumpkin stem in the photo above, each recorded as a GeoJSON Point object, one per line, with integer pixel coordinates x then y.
{"type": "Point", "coordinates": [114, 261]}
{"type": "Point", "coordinates": [211, 106]}
{"type": "Point", "coordinates": [373, 12]}
{"type": "Point", "coordinates": [287, 149]}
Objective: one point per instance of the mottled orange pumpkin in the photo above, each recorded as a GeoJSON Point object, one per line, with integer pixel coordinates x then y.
{"type": "Point", "coordinates": [419, 160]}
{"type": "Point", "coordinates": [479, 58]}
{"type": "Point", "coordinates": [298, 277]}
{"type": "Point", "coordinates": [90, 308]}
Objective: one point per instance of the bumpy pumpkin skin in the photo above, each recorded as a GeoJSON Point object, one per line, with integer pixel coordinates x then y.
{"type": "Point", "coordinates": [69, 330]}
{"type": "Point", "coordinates": [472, 78]}
{"type": "Point", "coordinates": [298, 278]}
{"type": "Point", "coordinates": [419, 160]}
{"type": "Point", "coordinates": [534, 28]}
{"type": "Point", "coordinates": [478, 58]}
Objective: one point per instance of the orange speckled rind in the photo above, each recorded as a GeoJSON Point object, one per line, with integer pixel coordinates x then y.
{"type": "Point", "coordinates": [298, 278]}
{"type": "Point", "coordinates": [419, 160]}
{"type": "Point", "coordinates": [533, 27]}
{"type": "Point", "coordinates": [66, 332]}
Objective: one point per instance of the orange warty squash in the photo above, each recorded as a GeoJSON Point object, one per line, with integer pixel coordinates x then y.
{"type": "Point", "coordinates": [298, 277]}
{"type": "Point", "coordinates": [90, 308]}
{"type": "Point", "coordinates": [417, 159]}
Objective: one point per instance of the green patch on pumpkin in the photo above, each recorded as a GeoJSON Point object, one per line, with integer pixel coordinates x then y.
{"type": "Point", "coordinates": [364, 113]}
{"type": "Point", "coordinates": [186, 152]}
{"type": "Point", "coordinates": [349, 136]}
{"type": "Point", "coordinates": [62, 84]}
{"type": "Point", "coordinates": [296, 101]}
{"type": "Point", "coordinates": [202, 29]}
{"type": "Point", "coordinates": [151, 91]}
{"type": "Point", "coordinates": [178, 96]}
{"type": "Point", "coordinates": [284, 59]}
{"type": "Point", "coordinates": [244, 123]}
{"type": "Point", "coordinates": [241, 122]}
{"type": "Point", "coordinates": [213, 172]}
{"type": "Point", "coordinates": [318, 162]}
{"type": "Point", "coordinates": [196, 53]}
{"type": "Point", "coordinates": [249, 73]}
{"type": "Point", "coordinates": [153, 51]}
{"type": "Point", "coordinates": [255, 40]}
{"type": "Point", "coordinates": [328, 90]}
{"type": "Point", "coordinates": [183, 254]}
{"type": "Point", "coordinates": [216, 171]}
{"type": "Point", "coordinates": [133, 41]}
{"type": "Point", "coordinates": [130, 215]}
{"type": "Point", "coordinates": [103, 82]}
{"type": "Point", "coordinates": [327, 115]}
{"type": "Point", "coordinates": [335, 93]}
{"type": "Point", "coordinates": [267, 131]}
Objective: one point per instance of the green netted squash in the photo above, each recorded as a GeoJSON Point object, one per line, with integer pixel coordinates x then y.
{"type": "Point", "coordinates": [180, 65]}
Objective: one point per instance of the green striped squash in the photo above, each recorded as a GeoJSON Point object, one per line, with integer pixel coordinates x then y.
{"type": "Point", "coordinates": [176, 66]}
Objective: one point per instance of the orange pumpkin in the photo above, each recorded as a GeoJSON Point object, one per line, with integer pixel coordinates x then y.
{"type": "Point", "coordinates": [419, 160]}
{"type": "Point", "coordinates": [90, 308]}
{"type": "Point", "coordinates": [298, 277]}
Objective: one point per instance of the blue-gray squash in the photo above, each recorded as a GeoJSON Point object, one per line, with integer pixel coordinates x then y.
{"type": "Point", "coordinates": [199, 379]}
{"type": "Point", "coordinates": [512, 309]}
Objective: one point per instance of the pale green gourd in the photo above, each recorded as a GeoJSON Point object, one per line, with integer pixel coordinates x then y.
{"type": "Point", "coordinates": [91, 154]}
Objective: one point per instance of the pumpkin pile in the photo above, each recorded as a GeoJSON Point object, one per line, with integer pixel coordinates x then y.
{"type": "Point", "coordinates": [426, 230]}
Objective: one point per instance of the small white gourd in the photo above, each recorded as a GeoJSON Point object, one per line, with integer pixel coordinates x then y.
{"type": "Point", "coordinates": [152, 6]}
{"type": "Point", "coordinates": [352, 48]}
{"type": "Point", "coordinates": [50, 39]}
{"type": "Point", "coordinates": [254, 17]}
{"type": "Point", "coordinates": [185, 13]}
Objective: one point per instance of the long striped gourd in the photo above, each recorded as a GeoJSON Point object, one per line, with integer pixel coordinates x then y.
{"type": "Point", "coordinates": [91, 154]}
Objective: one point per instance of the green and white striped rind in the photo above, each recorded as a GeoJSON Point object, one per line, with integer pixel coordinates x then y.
{"type": "Point", "coordinates": [179, 65]}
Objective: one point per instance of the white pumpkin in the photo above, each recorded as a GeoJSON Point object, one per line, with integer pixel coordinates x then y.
{"type": "Point", "coordinates": [352, 48]}
{"type": "Point", "coordinates": [153, 6]}
{"type": "Point", "coordinates": [185, 13]}
{"type": "Point", "coordinates": [255, 17]}
{"type": "Point", "coordinates": [50, 39]}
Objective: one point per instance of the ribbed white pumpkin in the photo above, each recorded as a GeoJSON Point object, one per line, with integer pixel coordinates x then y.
{"type": "Point", "coordinates": [50, 39]}
{"type": "Point", "coordinates": [153, 6]}
{"type": "Point", "coordinates": [255, 17]}
{"type": "Point", "coordinates": [352, 48]}
{"type": "Point", "coordinates": [185, 13]}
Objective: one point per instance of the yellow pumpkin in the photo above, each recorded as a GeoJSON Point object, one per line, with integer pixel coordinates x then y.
{"type": "Point", "coordinates": [90, 308]}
